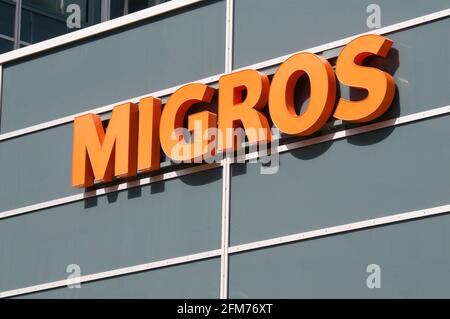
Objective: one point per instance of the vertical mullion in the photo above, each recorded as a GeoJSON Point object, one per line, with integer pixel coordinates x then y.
{"type": "Point", "coordinates": [17, 24]}
{"type": "Point", "coordinates": [126, 6]}
{"type": "Point", "coordinates": [105, 10]}
{"type": "Point", "coordinates": [226, 163]}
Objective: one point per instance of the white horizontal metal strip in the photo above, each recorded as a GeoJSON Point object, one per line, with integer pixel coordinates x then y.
{"type": "Point", "coordinates": [113, 273]}
{"type": "Point", "coordinates": [99, 110]}
{"type": "Point", "coordinates": [342, 228]}
{"type": "Point", "coordinates": [402, 217]}
{"type": "Point", "coordinates": [97, 29]}
{"type": "Point", "coordinates": [282, 148]}
{"type": "Point", "coordinates": [339, 43]}
{"type": "Point", "coordinates": [353, 131]}
{"type": "Point", "coordinates": [214, 78]}
{"type": "Point", "coordinates": [107, 190]}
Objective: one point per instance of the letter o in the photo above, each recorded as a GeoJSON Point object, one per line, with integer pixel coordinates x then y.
{"type": "Point", "coordinates": [322, 97]}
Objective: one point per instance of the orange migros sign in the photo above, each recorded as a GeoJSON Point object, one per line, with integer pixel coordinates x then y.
{"type": "Point", "coordinates": [135, 134]}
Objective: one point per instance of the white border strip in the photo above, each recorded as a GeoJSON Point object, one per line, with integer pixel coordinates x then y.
{"type": "Point", "coordinates": [97, 29]}
{"type": "Point", "coordinates": [113, 273]}
{"type": "Point", "coordinates": [226, 171]}
{"type": "Point", "coordinates": [333, 230]}
{"type": "Point", "coordinates": [280, 149]}
{"type": "Point", "coordinates": [354, 131]}
{"type": "Point", "coordinates": [109, 189]}
{"type": "Point", "coordinates": [225, 241]}
{"type": "Point", "coordinates": [339, 43]}
{"type": "Point", "coordinates": [99, 110]}
{"type": "Point", "coordinates": [17, 24]}
{"type": "Point", "coordinates": [215, 78]}
{"type": "Point", "coordinates": [342, 228]}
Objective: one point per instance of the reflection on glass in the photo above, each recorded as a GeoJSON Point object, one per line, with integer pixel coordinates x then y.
{"type": "Point", "coordinates": [123, 7]}
{"type": "Point", "coordinates": [136, 5]}
{"type": "Point", "coordinates": [5, 45]}
{"type": "Point", "coordinates": [118, 8]}
{"type": "Point", "coordinates": [7, 13]}
{"type": "Point", "coordinates": [44, 19]}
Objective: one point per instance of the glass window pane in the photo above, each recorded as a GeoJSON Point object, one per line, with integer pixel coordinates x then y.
{"type": "Point", "coordinates": [117, 8]}
{"type": "Point", "coordinates": [37, 27]}
{"type": "Point", "coordinates": [56, 8]}
{"type": "Point", "coordinates": [7, 13]}
{"type": "Point", "coordinates": [5, 45]}
{"type": "Point", "coordinates": [136, 5]}
{"type": "Point", "coordinates": [42, 20]}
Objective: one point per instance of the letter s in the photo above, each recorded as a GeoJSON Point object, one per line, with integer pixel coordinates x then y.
{"type": "Point", "coordinates": [379, 84]}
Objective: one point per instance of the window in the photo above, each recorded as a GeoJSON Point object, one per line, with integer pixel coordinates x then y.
{"type": "Point", "coordinates": [137, 5]}
{"type": "Point", "coordinates": [45, 19]}
{"type": "Point", "coordinates": [7, 13]}
{"type": "Point", "coordinates": [40, 20]}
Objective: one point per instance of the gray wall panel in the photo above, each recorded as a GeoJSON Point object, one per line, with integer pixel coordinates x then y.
{"type": "Point", "coordinates": [44, 157]}
{"type": "Point", "coordinates": [419, 61]}
{"type": "Point", "coordinates": [149, 56]}
{"type": "Point", "coordinates": [266, 29]}
{"type": "Point", "coordinates": [420, 64]}
{"type": "Point", "coordinates": [36, 167]}
{"type": "Point", "coordinates": [365, 176]}
{"type": "Point", "coordinates": [413, 257]}
{"type": "Point", "coordinates": [193, 280]}
{"type": "Point", "coordinates": [164, 220]}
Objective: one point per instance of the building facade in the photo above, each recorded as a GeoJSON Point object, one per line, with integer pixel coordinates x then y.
{"type": "Point", "coordinates": [356, 210]}
{"type": "Point", "coordinates": [25, 22]}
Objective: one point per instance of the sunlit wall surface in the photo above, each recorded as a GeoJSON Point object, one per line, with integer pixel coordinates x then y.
{"type": "Point", "coordinates": [360, 215]}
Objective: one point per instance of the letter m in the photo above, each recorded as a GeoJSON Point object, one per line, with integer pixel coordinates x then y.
{"type": "Point", "coordinates": [101, 155]}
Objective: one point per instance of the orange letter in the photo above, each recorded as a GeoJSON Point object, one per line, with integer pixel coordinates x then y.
{"type": "Point", "coordinates": [148, 141]}
{"type": "Point", "coordinates": [323, 94]}
{"type": "Point", "coordinates": [380, 85]}
{"type": "Point", "coordinates": [172, 119]}
{"type": "Point", "coordinates": [233, 110]}
{"type": "Point", "coordinates": [110, 154]}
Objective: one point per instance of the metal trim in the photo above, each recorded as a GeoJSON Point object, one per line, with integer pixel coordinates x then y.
{"type": "Point", "coordinates": [5, 37]}
{"type": "Point", "coordinates": [105, 10]}
{"type": "Point", "coordinates": [106, 190]}
{"type": "Point", "coordinates": [332, 230]}
{"type": "Point", "coordinates": [339, 43]}
{"type": "Point", "coordinates": [229, 30]}
{"type": "Point", "coordinates": [224, 265]}
{"type": "Point", "coordinates": [126, 6]}
{"type": "Point", "coordinates": [215, 78]}
{"type": "Point", "coordinates": [97, 29]}
{"type": "Point", "coordinates": [444, 110]}
{"type": "Point", "coordinates": [171, 6]}
{"type": "Point", "coordinates": [225, 242]}
{"type": "Point", "coordinates": [280, 149]}
{"type": "Point", "coordinates": [114, 273]}
{"type": "Point", "coordinates": [11, 39]}
{"type": "Point", "coordinates": [99, 110]}
{"type": "Point", "coordinates": [17, 24]}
